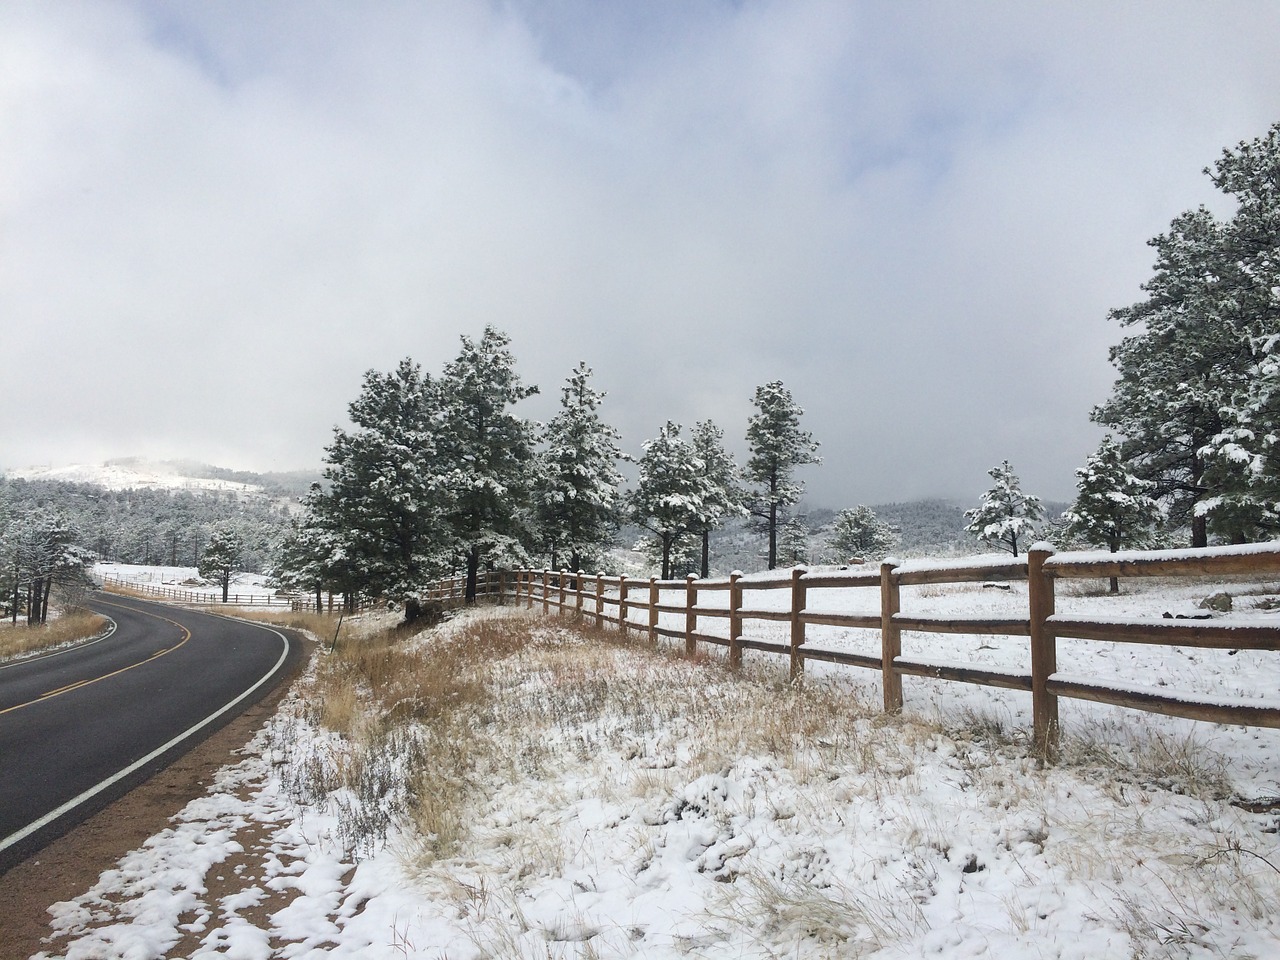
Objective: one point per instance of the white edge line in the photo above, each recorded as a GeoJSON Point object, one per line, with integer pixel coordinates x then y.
{"type": "Point", "coordinates": [93, 791]}
{"type": "Point", "coordinates": [57, 653]}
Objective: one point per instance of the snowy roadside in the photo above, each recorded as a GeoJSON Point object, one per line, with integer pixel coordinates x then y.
{"type": "Point", "coordinates": [631, 805]}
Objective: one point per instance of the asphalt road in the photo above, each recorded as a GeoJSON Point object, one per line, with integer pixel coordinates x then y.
{"type": "Point", "coordinates": [80, 729]}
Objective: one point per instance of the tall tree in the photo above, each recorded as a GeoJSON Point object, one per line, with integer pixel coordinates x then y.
{"type": "Point", "coordinates": [385, 512]}
{"type": "Point", "coordinates": [1210, 312]}
{"type": "Point", "coordinates": [778, 446]}
{"type": "Point", "coordinates": [859, 533]}
{"type": "Point", "coordinates": [490, 453]}
{"type": "Point", "coordinates": [1113, 507]}
{"type": "Point", "coordinates": [578, 477]}
{"type": "Point", "coordinates": [722, 497]}
{"type": "Point", "coordinates": [668, 498]}
{"type": "Point", "coordinates": [221, 557]}
{"type": "Point", "coordinates": [1006, 516]}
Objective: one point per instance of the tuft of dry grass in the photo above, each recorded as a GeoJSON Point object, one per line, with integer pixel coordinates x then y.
{"type": "Point", "coordinates": [19, 640]}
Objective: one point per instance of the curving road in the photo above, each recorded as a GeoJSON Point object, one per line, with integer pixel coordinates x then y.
{"type": "Point", "coordinates": [79, 729]}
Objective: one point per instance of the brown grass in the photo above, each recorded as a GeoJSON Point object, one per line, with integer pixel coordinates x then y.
{"type": "Point", "coordinates": [17, 640]}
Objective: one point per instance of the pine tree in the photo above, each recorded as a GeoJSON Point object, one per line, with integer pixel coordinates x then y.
{"type": "Point", "coordinates": [1006, 516]}
{"type": "Point", "coordinates": [382, 520]}
{"type": "Point", "coordinates": [668, 500]}
{"type": "Point", "coordinates": [722, 497]}
{"type": "Point", "coordinates": [577, 485]}
{"type": "Point", "coordinates": [1113, 508]}
{"type": "Point", "coordinates": [778, 446]}
{"type": "Point", "coordinates": [490, 454]}
{"type": "Point", "coordinates": [221, 557]}
{"type": "Point", "coordinates": [859, 533]}
{"type": "Point", "coordinates": [1210, 312]}
{"type": "Point", "coordinates": [793, 542]}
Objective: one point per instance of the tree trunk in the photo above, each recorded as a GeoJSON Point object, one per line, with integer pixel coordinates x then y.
{"type": "Point", "coordinates": [773, 535]}
{"type": "Point", "coordinates": [706, 553]}
{"type": "Point", "coordinates": [226, 586]}
{"type": "Point", "coordinates": [1199, 531]}
{"type": "Point", "coordinates": [473, 573]}
{"type": "Point", "coordinates": [666, 556]}
{"type": "Point", "coordinates": [319, 600]}
{"type": "Point", "coordinates": [44, 601]}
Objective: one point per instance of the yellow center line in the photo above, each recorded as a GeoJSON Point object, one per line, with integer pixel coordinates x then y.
{"type": "Point", "coordinates": [186, 635]}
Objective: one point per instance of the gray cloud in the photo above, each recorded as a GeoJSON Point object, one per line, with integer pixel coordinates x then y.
{"type": "Point", "coordinates": [215, 217]}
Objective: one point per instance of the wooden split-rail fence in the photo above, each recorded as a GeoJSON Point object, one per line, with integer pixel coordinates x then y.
{"type": "Point", "coordinates": [634, 604]}
{"type": "Point", "coordinates": [114, 584]}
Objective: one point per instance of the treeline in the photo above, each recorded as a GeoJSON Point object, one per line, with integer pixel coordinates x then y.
{"type": "Point", "coordinates": [438, 474]}
{"type": "Point", "coordinates": [147, 526]}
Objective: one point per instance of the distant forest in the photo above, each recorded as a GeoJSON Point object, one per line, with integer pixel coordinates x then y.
{"type": "Point", "coordinates": [156, 526]}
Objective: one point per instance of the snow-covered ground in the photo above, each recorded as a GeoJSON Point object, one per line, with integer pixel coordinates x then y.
{"type": "Point", "coordinates": [649, 807]}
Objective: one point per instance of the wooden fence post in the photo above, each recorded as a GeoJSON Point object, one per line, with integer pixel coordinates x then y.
{"type": "Point", "coordinates": [528, 589]}
{"type": "Point", "coordinates": [578, 591]}
{"type": "Point", "coordinates": [890, 637]}
{"type": "Point", "coordinates": [690, 617]}
{"type": "Point", "coordinates": [735, 620]}
{"type": "Point", "coordinates": [546, 590]}
{"type": "Point", "coordinates": [622, 605]}
{"type": "Point", "coordinates": [599, 601]}
{"type": "Point", "coordinates": [653, 610]}
{"type": "Point", "coordinates": [797, 621]}
{"type": "Point", "coordinates": [1044, 653]}
{"type": "Point", "coordinates": [560, 600]}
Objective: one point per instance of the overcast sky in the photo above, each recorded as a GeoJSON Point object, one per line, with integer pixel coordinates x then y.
{"type": "Point", "coordinates": [214, 217]}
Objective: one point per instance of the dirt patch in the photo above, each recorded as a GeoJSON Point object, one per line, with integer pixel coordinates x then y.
{"type": "Point", "coordinates": [70, 865]}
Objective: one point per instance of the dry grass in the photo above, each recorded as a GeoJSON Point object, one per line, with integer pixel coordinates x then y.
{"type": "Point", "coordinates": [18, 640]}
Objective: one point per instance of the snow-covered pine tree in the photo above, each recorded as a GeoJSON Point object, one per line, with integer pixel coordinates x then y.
{"type": "Point", "coordinates": [858, 533]}
{"type": "Point", "coordinates": [1243, 460]}
{"type": "Point", "coordinates": [1113, 508]}
{"type": "Point", "coordinates": [578, 478]}
{"type": "Point", "coordinates": [1006, 516]}
{"type": "Point", "coordinates": [221, 557]}
{"type": "Point", "coordinates": [778, 446]}
{"type": "Point", "coordinates": [490, 453]}
{"type": "Point", "coordinates": [668, 500]}
{"type": "Point", "coordinates": [1210, 310]}
{"type": "Point", "coordinates": [382, 521]}
{"type": "Point", "coordinates": [723, 497]}
{"type": "Point", "coordinates": [793, 542]}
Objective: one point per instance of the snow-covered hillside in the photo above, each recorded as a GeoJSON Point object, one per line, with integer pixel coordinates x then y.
{"type": "Point", "coordinates": [132, 473]}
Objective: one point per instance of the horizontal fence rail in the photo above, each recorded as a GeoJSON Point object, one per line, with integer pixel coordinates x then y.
{"type": "Point", "coordinates": [634, 604]}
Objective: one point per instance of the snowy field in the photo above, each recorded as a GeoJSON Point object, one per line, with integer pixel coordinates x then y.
{"type": "Point", "coordinates": [627, 805]}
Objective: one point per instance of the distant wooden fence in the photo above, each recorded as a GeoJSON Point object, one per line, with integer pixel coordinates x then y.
{"type": "Point", "coordinates": [617, 600]}
{"type": "Point", "coordinates": [116, 584]}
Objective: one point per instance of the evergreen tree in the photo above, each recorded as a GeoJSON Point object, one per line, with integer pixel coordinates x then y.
{"type": "Point", "coordinates": [793, 542]}
{"type": "Point", "coordinates": [859, 533]}
{"type": "Point", "coordinates": [1210, 312]}
{"type": "Point", "coordinates": [778, 446]}
{"type": "Point", "coordinates": [722, 498]}
{"type": "Point", "coordinates": [381, 526]}
{"type": "Point", "coordinates": [1113, 508]}
{"type": "Point", "coordinates": [1243, 460]}
{"type": "Point", "coordinates": [1006, 515]}
{"type": "Point", "coordinates": [669, 497]}
{"type": "Point", "coordinates": [221, 557]}
{"type": "Point", "coordinates": [578, 477]}
{"type": "Point", "coordinates": [490, 454]}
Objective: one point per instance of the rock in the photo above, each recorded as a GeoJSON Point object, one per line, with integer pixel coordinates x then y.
{"type": "Point", "coordinates": [1220, 601]}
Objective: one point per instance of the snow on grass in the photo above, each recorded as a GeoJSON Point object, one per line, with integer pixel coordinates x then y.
{"type": "Point", "coordinates": [513, 787]}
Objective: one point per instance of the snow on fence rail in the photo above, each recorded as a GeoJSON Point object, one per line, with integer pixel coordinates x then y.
{"type": "Point", "coordinates": [784, 599]}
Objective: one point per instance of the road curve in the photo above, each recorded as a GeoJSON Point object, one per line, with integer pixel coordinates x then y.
{"type": "Point", "coordinates": [81, 728]}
